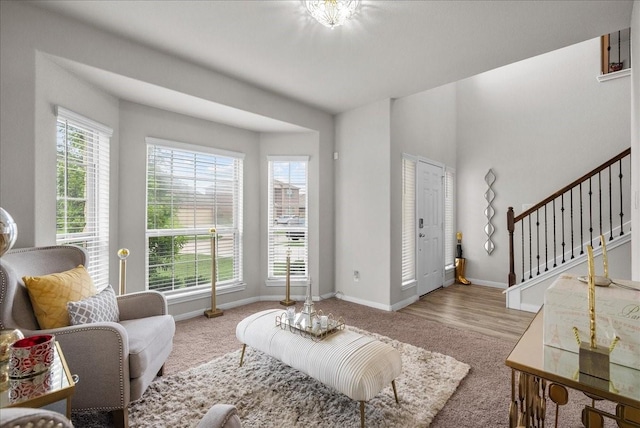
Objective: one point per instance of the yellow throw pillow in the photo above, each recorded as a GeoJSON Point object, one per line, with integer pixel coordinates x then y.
{"type": "Point", "coordinates": [50, 293]}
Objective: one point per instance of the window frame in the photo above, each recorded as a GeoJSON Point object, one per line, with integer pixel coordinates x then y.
{"type": "Point", "coordinates": [95, 163]}
{"type": "Point", "coordinates": [236, 282]}
{"type": "Point", "coordinates": [272, 278]}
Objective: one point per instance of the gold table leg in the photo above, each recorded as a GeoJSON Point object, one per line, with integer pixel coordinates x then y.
{"type": "Point", "coordinates": [395, 393]}
{"type": "Point", "coordinates": [362, 414]}
{"type": "Point", "coordinates": [242, 356]}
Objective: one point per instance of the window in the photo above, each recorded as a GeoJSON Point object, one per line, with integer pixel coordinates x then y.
{"type": "Point", "coordinates": [615, 51]}
{"type": "Point", "coordinates": [82, 181]}
{"type": "Point", "coordinates": [287, 217]}
{"type": "Point", "coordinates": [189, 191]}
{"type": "Point", "coordinates": [449, 217]}
{"type": "Point", "coordinates": [408, 221]}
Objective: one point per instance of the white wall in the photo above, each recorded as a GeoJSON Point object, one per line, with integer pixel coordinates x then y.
{"type": "Point", "coordinates": [363, 204]}
{"type": "Point", "coordinates": [539, 124]}
{"type": "Point", "coordinates": [424, 125]}
{"type": "Point", "coordinates": [25, 122]}
{"type": "Point", "coordinates": [635, 138]}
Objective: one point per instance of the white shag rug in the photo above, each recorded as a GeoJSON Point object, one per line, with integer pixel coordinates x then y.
{"type": "Point", "coordinates": [268, 393]}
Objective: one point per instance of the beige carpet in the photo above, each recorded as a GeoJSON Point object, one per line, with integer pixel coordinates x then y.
{"type": "Point", "coordinates": [268, 393]}
{"type": "Point", "coordinates": [481, 400]}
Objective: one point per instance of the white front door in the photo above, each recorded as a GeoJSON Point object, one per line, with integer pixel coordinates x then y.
{"type": "Point", "coordinates": [430, 227]}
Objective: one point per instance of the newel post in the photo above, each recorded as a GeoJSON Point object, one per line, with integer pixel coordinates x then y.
{"type": "Point", "coordinates": [510, 228]}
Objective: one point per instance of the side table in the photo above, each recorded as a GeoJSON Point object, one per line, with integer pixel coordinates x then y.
{"type": "Point", "coordinates": [54, 385]}
{"type": "Point", "coordinates": [534, 378]}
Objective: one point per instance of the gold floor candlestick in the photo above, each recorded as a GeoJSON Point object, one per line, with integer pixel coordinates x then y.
{"type": "Point", "coordinates": [123, 253]}
{"type": "Point", "coordinates": [213, 312]}
{"type": "Point", "coordinates": [287, 301]}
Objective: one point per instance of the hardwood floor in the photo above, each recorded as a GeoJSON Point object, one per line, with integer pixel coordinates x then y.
{"type": "Point", "coordinates": [474, 307]}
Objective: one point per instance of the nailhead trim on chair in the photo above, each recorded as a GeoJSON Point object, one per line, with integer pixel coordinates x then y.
{"type": "Point", "coordinates": [3, 292]}
{"type": "Point", "coordinates": [42, 423]}
{"type": "Point", "coordinates": [121, 378]}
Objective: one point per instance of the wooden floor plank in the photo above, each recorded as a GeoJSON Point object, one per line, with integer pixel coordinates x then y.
{"type": "Point", "coordinates": [473, 307]}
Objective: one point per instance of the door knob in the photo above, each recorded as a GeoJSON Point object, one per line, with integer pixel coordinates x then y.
{"type": "Point", "coordinates": [421, 235]}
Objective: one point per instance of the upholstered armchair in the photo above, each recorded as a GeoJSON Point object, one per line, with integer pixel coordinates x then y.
{"type": "Point", "coordinates": [115, 361]}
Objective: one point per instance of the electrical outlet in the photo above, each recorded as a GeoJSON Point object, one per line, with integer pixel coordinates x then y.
{"type": "Point", "coordinates": [356, 275]}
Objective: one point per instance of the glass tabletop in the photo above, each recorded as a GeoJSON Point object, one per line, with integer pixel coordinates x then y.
{"type": "Point", "coordinates": [52, 385]}
{"type": "Point", "coordinates": [531, 356]}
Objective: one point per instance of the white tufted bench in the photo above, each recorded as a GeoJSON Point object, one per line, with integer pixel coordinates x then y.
{"type": "Point", "coordinates": [355, 365]}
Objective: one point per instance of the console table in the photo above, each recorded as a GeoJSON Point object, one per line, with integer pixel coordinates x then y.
{"type": "Point", "coordinates": [56, 384]}
{"type": "Point", "coordinates": [535, 377]}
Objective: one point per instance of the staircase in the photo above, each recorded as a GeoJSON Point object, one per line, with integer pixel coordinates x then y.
{"type": "Point", "coordinates": [551, 237]}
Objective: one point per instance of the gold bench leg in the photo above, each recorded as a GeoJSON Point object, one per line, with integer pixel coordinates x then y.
{"type": "Point", "coordinates": [242, 356]}
{"type": "Point", "coordinates": [362, 414]}
{"type": "Point", "coordinates": [395, 393]}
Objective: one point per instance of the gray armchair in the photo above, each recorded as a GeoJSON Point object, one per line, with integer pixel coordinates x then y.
{"type": "Point", "coordinates": [115, 362]}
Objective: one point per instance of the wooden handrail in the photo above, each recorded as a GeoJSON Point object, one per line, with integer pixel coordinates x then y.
{"type": "Point", "coordinates": [512, 219]}
{"type": "Point", "coordinates": [572, 185]}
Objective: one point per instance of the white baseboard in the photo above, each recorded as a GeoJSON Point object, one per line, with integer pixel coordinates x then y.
{"type": "Point", "coordinates": [528, 307]}
{"type": "Point", "coordinates": [475, 281]}
{"type": "Point", "coordinates": [404, 303]}
{"type": "Point", "coordinates": [235, 304]}
{"type": "Point", "coordinates": [369, 303]}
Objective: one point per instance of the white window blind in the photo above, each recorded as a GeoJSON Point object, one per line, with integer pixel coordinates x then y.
{"type": "Point", "coordinates": [408, 220]}
{"type": "Point", "coordinates": [82, 181]}
{"type": "Point", "coordinates": [189, 191]}
{"type": "Point", "coordinates": [449, 217]}
{"type": "Point", "coordinates": [287, 217]}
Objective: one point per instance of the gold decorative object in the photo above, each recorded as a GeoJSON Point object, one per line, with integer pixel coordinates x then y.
{"type": "Point", "coordinates": [213, 312]}
{"type": "Point", "coordinates": [287, 301]}
{"type": "Point", "coordinates": [123, 253]}
{"type": "Point", "coordinates": [7, 338]}
{"type": "Point", "coordinates": [460, 262]}
{"type": "Point", "coordinates": [593, 361]}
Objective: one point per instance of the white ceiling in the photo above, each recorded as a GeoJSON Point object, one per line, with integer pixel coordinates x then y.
{"type": "Point", "coordinates": [391, 49]}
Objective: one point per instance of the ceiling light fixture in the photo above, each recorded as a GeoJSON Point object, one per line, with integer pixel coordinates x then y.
{"type": "Point", "coordinates": [332, 13]}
